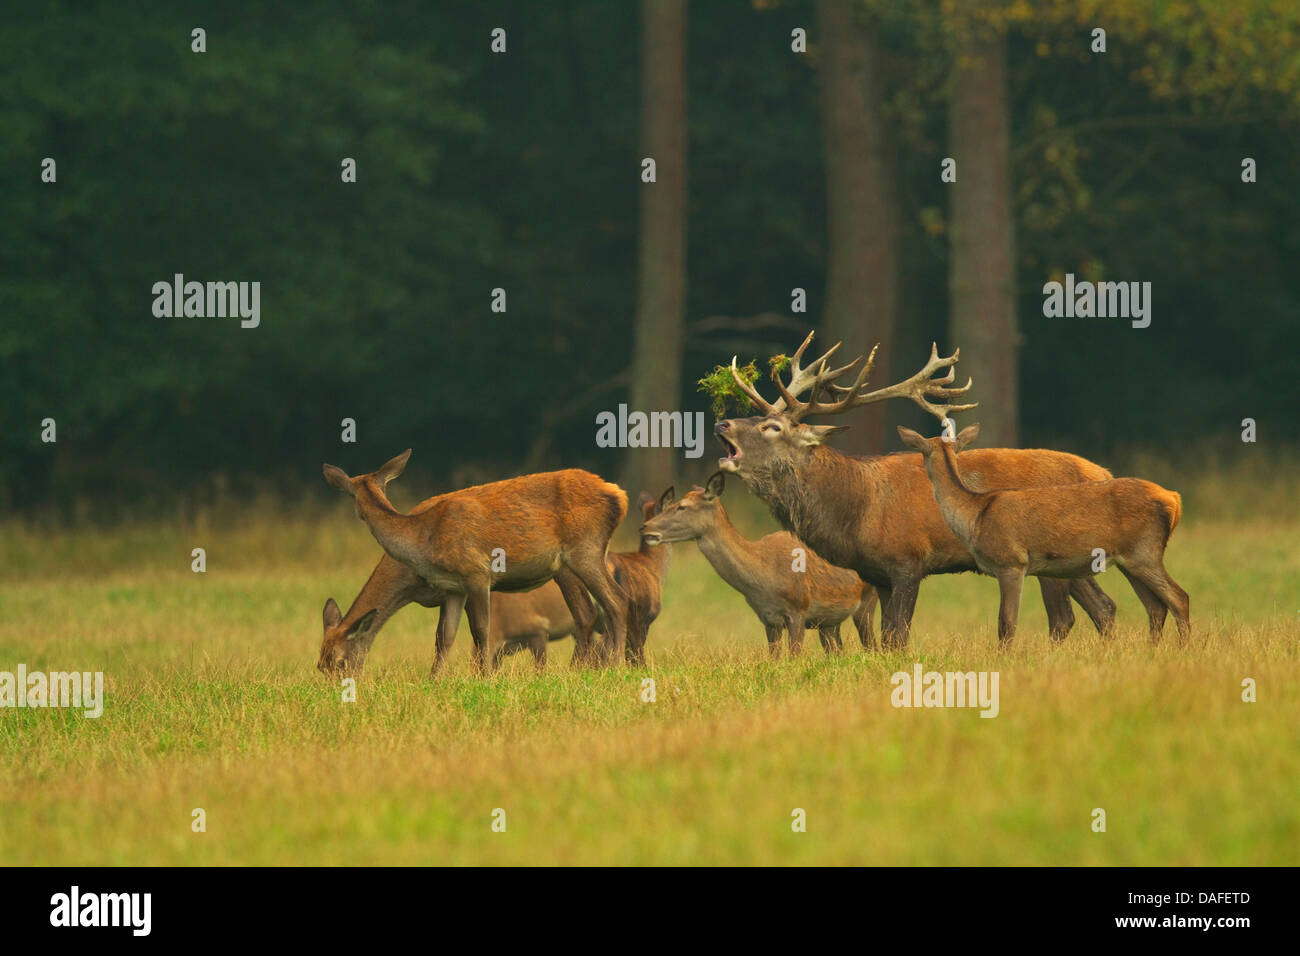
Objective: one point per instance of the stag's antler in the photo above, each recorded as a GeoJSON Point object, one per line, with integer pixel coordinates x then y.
{"type": "Point", "coordinates": [920, 388]}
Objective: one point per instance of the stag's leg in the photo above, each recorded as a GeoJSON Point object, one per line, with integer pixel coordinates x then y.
{"type": "Point", "coordinates": [1010, 582]}
{"type": "Point", "coordinates": [794, 629]}
{"type": "Point", "coordinates": [896, 622]}
{"type": "Point", "coordinates": [863, 615]}
{"type": "Point", "coordinates": [1096, 603]}
{"type": "Point", "coordinates": [1056, 599]}
{"type": "Point", "coordinates": [773, 640]}
{"type": "Point", "coordinates": [478, 608]}
{"type": "Point", "coordinates": [582, 612]}
{"type": "Point", "coordinates": [593, 573]}
{"type": "Point", "coordinates": [448, 621]}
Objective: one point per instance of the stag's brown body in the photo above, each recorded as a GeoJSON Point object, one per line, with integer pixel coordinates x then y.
{"type": "Point", "coordinates": [511, 535]}
{"type": "Point", "coordinates": [785, 599]}
{"type": "Point", "coordinates": [877, 515]}
{"type": "Point", "coordinates": [1057, 531]}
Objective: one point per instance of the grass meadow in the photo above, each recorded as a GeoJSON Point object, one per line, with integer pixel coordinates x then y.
{"type": "Point", "coordinates": [213, 702]}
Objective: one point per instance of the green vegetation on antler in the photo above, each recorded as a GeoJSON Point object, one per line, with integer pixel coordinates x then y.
{"type": "Point", "coordinates": [720, 386]}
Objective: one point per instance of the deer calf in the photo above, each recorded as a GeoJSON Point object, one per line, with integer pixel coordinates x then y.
{"type": "Point", "coordinates": [820, 596]}
{"type": "Point", "coordinates": [512, 535]}
{"type": "Point", "coordinates": [1056, 531]}
{"type": "Point", "coordinates": [641, 574]}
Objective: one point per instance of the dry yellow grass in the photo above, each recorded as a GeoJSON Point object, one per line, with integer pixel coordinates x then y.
{"type": "Point", "coordinates": [213, 702]}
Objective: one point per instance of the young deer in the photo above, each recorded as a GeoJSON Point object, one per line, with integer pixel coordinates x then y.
{"type": "Point", "coordinates": [641, 574]}
{"type": "Point", "coordinates": [820, 596]}
{"type": "Point", "coordinates": [511, 535]}
{"type": "Point", "coordinates": [877, 515]}
{"type": "Point", "coordinates": [517, 619]}
{"type": "Point", "coordinates": [1054, 532]}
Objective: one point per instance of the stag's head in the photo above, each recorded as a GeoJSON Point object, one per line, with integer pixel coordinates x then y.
{"type": "Point", "coordinates": [779, 436]}
{"type": "Point", "coordinates": [374, 482]}
{"type": "Point", "coordinates": [343, 649]}
{"type": "Point", "coordinates": [688, 519]}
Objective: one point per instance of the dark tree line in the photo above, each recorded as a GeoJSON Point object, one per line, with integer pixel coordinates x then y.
{"type": "Point", "coordinates": [520, 171]}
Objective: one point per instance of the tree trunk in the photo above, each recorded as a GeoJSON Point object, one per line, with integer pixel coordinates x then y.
{"type": "Point", "coordinates": [862, 208]}
{"type": "Point", "coordinates": [661, 267]}
{"type": "Point", "coordinates": [982, 274]}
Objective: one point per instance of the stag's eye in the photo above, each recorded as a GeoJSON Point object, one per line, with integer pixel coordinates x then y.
{"type": "Point", "coordinates": [773, 427]}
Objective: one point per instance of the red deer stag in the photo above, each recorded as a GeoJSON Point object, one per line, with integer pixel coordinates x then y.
{"type": "Point", "coordinates": [819, 596]}
{"type": "Point", "coordinates": [1056, 532]}
{"type": "Point", "coordinates": [511, 535]}
{"type": "Point", "coordinates": [877, 515]}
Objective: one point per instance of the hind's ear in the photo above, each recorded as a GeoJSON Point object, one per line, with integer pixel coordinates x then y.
{"type": "Point", "coordinates": [966, 436]}
{"type": "Point", "coordinates": [716, 484]}
{"type": "Point", "coordinates": [667, 498]}
{"type": "Point", "coordinates": [338, 478]}
{"type": "Point", "coordinates": [392, 468]}
{"type": "Point", "coordinates": [643, 499]}
{"type": "Point", "coordinates": [331, 615]}
{"type": "Point", "coordinates": [911, 439]}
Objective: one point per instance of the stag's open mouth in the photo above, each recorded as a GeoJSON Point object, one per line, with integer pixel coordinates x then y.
{"type": "Point", "coordinates": [732, 460]}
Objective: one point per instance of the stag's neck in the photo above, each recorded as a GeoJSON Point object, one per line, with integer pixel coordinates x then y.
{"type": "Point", "coordinates": [822, 498]}
{"type": "Point", "coordinates": [398, 534]}
{"type": "Point", "coordinates": [732, 555]}
{"type": "Point", "coordinates": [959, 505]}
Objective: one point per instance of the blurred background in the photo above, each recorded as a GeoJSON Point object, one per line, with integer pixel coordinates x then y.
{"type": "Point", "coordinates": [784, 161]}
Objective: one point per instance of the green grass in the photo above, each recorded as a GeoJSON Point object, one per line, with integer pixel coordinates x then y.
{"type": "Point", "coordinates": [213, 702]}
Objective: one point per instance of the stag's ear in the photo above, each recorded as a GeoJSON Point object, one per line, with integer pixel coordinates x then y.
{"type": "Point", "coordinates": [367, 621]}
{"type": "Point", "coordinates": [713, 488]}
{"type": "Point", "coordinates": [966, 436]}
{"type": "Point", "coordinates": [339, 479]}
{"type": "Point", "coordinates": [667, 498]}
{"type": "Point", "coordinates": [331, 615]}
{"type": "Point", "coordinates": [392, 468]}
{"type": "Point", "coordinates": [911, 439]}
{"type": "Point", "coordinates": [816, 434]}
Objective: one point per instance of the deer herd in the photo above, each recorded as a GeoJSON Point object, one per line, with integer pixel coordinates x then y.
{"type": "Point", "coordinates": [528, 561]}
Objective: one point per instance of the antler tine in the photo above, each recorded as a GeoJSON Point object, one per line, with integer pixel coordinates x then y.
{"type": "Point", "coordinates": [750, 392]}
{"type": "Point", "coordinates": [920, 388]}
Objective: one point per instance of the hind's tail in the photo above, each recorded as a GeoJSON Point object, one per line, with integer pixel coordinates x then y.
{"type": "Point", "coordinates": [1172, 502]}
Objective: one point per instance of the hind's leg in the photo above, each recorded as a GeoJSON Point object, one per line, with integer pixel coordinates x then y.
{"type": "Point", "coordinates": [593, 573]}
{"type": "Point", "coordinates": [1056, 599]}
{"type": "Point", "coordinates": [1171, 596]}
{"type": "Point", "coordinates": [582, 612]}
{"type": "Point", "coordinates": [1155, 607]}
{"type": "Point", "coordinates": [1096, 603]}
